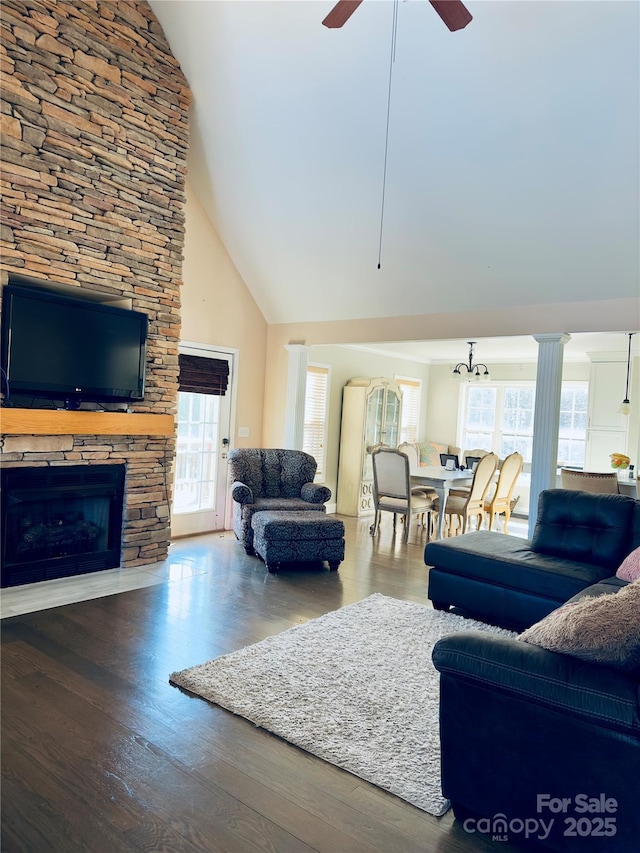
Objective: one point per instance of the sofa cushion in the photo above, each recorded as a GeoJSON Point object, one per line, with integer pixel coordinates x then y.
{"type": "Point", "coordinates": [284, 505]}
{"type": "Point", "coordinates": [629, 569]}
{"type": "Point", "coordinates": [608, 585]}
{"type": "Point", "coordinates": [602, 629]}
{"type": "Point", "coordinates": [430, 452]}
{"type": "Point", "coordinates": [583, 527]}
{"type": "Point", "coordinates": [509, 562]}
{"type": "Point", "coordinates": [289, 526]}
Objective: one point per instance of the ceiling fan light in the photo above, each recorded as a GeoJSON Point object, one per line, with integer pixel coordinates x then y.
{"type": "Point", "coordinates": [625, 406]}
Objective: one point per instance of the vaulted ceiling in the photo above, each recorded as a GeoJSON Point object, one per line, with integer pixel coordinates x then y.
{"type": "Point", "coordinates": [512, 172]}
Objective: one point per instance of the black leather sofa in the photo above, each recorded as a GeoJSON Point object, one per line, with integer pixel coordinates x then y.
{"type": "Point", "coordinates": [528, 735]}
{"type": "Point", "coordinates": [579, 539]}
{"type": "Point", "coordinates": [535, 745]}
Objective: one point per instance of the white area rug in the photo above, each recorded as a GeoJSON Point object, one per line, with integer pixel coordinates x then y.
{"type": "Point", "coordinates": [355, 687]}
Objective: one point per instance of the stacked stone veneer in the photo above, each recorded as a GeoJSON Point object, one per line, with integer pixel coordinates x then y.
{"type": "Point", "coordinates": [94, 124]}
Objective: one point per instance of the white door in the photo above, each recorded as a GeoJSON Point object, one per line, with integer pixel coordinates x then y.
{"type": "Point", "coordinates": [200, 474]}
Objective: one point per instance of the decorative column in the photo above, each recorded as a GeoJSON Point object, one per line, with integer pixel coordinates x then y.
{"type": "Point", "coordinates": [296, 393]}
{"type": "Point", "coordinates": [546, 418]}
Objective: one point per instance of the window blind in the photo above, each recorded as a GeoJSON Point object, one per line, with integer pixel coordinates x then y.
{"type": "Point", "coordinates": [199, 375]}
{"type": "Point", "coordinates": [410, 408]}
{"type": "Point", "coordinates": [315, 409]}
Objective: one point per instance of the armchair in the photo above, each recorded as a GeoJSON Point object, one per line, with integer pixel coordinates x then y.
{"type": "Point", "coordinates": [271, 479]}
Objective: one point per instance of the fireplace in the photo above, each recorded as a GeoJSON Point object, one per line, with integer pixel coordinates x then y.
{"type": "Point", "coordinates": [59, 521]}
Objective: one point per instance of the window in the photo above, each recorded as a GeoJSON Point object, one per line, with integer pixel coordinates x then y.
{"type": "Point", "coordinates": [573, 424]}
{"type": "Point", "coordinates": [500, 418]}
{"type": "Point", "coordinates": [195, 473]}
{"type": "Point", "coordinates": [315, 415]}
{"type": "Point", "coordinates": [410, 414]}
{"type": "Point", "coordinates": [517, 421]}
{"type": "Point", "coordinates": [480, 420]}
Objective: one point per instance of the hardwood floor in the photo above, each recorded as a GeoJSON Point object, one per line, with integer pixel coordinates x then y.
{"type": "Point", "coordinates": [101, 753]}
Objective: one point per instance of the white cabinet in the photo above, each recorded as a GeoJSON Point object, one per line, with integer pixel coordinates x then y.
{"type": "Point", "coordinates": [371, 411]}
{"type": "Point", "coordinates": [607, 429]}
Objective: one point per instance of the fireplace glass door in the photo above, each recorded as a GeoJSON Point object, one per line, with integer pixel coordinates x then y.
{"type": "Point", "coordinates": [60, 521]}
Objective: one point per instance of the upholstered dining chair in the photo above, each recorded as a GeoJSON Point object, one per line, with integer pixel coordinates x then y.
{"type": "Point", "coordinates": [392, 491]}
{"type": "Point", "coordinates": [475, 454]}
{"type": "Point", "coordinates": [500, 501]}
{"type": "Point", "coordinates": [590, 481]}
{"type": "Point", "coordinates": [471, 505]}
{"type": "Point", "coordinates": [469, 457]}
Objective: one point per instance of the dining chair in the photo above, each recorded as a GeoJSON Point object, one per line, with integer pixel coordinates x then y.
{"type": "Point", "coordinates": [472, 505]}
{"type": "Point", "coordinates": [590, 481]}
{"type": "Point", "coordinates": [468, 458]}
{"type": "Point", "coordinates": [500, 501]}
{"type": "Point", "coordinates": [474, 454]}
{"type": "Point", "coordinates": [392, 491]}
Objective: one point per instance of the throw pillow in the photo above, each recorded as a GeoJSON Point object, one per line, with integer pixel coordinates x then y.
{"type": "Point", "coordinates": [430, 452]}
{"type": "Point", "coordinates": [603, 629]}
{"type": "Point", "coordinates": [630, 567]}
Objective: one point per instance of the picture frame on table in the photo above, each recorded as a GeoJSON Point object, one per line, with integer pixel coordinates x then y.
{"type": "Point", "coordinates": [450, 461]}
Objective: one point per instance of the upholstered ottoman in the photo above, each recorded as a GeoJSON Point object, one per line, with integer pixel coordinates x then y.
{"type": "Point", "coordinates": [293, 537]}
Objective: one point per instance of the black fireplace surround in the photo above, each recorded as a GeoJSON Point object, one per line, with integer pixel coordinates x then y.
{"type": "Point", "coordinates": [59, 521]}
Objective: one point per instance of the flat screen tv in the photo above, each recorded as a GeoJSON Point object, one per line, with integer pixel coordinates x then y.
{"type": "Point", "coordinates": [63, 348]}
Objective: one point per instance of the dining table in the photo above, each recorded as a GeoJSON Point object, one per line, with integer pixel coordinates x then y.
{"type": "Point", "coordinates": [440, 479]}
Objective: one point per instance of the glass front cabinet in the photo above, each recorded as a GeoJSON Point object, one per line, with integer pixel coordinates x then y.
{"type": "Point", "coordinates": [371, 411]}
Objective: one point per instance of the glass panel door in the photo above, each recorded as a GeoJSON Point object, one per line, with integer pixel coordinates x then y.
{"type": "Point", "coordinates": [372, 428]}
{"type": "Point", "coordinates": [391, 419]}
{"type": "Point", "coordinates": [200, 474]}
{"type": "Point", "coordinates": [196, 453]}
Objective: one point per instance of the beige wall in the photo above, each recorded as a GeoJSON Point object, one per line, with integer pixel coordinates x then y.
{"type": "Point", "coordinates": [607, 315]}
{"type": "Point", "coordinates": [218, 309]}
{"type": "Point", "coordinates": [598, 316]}
{"type": "Point", "coordinates": [345, 364]}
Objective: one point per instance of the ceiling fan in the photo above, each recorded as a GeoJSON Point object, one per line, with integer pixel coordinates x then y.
{"type": "Point", "coordinates": [453, 13]}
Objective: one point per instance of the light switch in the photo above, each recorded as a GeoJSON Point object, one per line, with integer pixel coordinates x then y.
{"type": "Point", "coordinates": [243, 432]}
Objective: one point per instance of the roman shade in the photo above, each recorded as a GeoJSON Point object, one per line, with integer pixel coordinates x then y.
{"type": "Point", "coordinates": [199, 375]}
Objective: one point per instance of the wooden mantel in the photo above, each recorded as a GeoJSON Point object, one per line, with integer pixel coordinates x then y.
{"type": "Point", "coordinates": [62, 422]}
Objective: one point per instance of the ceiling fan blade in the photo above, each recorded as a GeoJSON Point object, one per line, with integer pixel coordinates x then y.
{"type": "Point", "coordinates": [341, 13]}
{"type": "Point", "coordinates": [454, 13]}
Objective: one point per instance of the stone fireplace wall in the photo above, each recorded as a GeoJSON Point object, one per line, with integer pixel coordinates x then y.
{"type": "Point", "coordinates": [95, 130]}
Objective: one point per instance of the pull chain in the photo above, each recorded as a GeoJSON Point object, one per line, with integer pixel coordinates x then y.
{"type": "Point", "coordinates": [394, 33]}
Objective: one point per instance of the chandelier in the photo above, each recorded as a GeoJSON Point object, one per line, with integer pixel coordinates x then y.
{"type": "Point", "coordinates": [475, 372]}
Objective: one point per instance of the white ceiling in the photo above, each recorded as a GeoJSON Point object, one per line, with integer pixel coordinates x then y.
{"type": "Point", "coordinates": [513, 173]}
